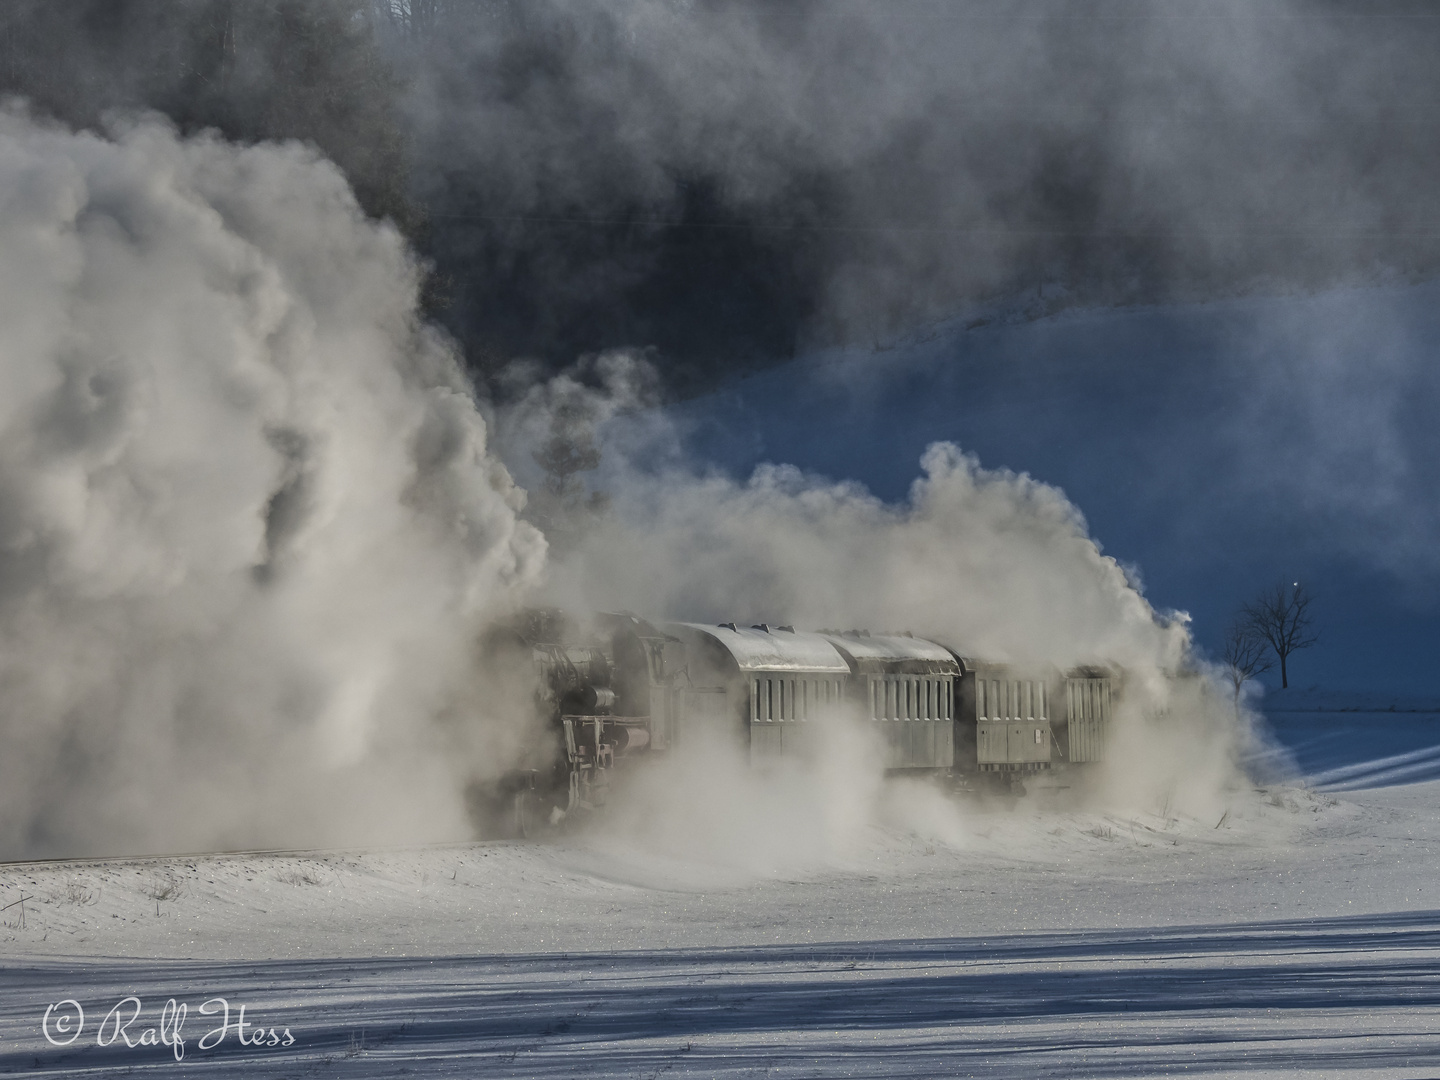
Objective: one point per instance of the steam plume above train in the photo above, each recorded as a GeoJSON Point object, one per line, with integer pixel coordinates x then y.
{"type": "Point", "coordinates": [251, 523]}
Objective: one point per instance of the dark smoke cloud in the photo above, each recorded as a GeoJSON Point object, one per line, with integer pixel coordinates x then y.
{"type": "Point", "coordinates": [250, 69]}
{"type": "Point", "coordinates": [728, 180]}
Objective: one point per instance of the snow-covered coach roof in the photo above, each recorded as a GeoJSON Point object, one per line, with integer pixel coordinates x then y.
{"type": "Point", "coordinates": [773, 648]}
{"type": "Point", "coordinates": [894, 653]}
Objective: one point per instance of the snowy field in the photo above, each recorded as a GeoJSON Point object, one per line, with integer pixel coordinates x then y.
{"type": "Point", "coordinates": [1298, 934]}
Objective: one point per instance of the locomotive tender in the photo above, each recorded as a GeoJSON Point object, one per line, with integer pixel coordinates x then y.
{"type": "Point", "coordinates": [621, 690]}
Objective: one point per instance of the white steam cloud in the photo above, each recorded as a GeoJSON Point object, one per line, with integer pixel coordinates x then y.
{"type": "Point", "coordinates": [249, 524]}
{"type": "Point", "coordinates": [250, 528]}
{"type": "Point", "coordinates": [995, 564]}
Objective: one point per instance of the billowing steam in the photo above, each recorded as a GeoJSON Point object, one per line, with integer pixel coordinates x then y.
{"type": "Point", "coordinates": [249, 524]}
{"type": "Point", "coordinates": [995, 564]}
{"type": "Point", "coordinates": [250, 528]}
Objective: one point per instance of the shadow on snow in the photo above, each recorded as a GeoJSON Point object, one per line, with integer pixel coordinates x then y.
{"type": "Point", "coordinates": [1315, 994]}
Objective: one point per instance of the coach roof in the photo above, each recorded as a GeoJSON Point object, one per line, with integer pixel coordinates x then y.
{"type": "Point", "coordinates": [772, 648]}
{"type": "Point", "coordinates": [894, 653]}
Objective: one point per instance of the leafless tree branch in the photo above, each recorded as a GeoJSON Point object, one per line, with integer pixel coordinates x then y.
{"type": "Point", "coordinates": [1245, 656]}
{"type": "Point", "coordinates": [1280, 616]}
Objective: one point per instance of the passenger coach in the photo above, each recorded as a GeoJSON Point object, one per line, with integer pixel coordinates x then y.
{"type": "Point", "coordinates": [766, 683]}
{"type": "Point", "coordinates": [906, 686]}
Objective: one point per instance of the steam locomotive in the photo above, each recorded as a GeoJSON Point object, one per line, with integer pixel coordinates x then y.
{"type": "Point", "coordinates": [618, 690]}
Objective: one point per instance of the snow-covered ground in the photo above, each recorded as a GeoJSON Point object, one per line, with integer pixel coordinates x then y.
{"type": "Point", "coordinates": [1297, 934]}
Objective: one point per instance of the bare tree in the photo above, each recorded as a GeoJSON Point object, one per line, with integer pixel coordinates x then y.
{"type": "Point", "coordinates": [1280, 616]}
{"type": "Point", "coordinates": [1245, 656]}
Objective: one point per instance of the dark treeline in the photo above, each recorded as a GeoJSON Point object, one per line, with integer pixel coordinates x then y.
{"type": "Point", "coordinates": [725, 181]}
